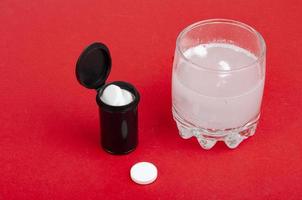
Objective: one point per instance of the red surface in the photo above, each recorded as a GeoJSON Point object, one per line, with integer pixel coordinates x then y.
{"type": "Point", "coordinates": [49, 129]}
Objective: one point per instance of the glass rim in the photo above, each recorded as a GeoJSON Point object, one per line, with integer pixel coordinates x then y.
{"type": "Point", "coordinates": [221, 21]}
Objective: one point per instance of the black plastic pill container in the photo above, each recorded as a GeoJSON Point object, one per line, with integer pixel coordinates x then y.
{"type": "Point", "coordinates": [118, 124]}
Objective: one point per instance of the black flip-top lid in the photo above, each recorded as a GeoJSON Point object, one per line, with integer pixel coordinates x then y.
{"type": "Point", "coordinates": [93, 66]}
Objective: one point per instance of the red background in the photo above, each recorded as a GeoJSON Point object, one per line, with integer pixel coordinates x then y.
{"type": "Point", "coordinates": [49, 128]}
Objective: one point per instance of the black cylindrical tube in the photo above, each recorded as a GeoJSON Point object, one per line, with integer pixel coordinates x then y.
{"type": "Point", "coordinates": [119, 124]}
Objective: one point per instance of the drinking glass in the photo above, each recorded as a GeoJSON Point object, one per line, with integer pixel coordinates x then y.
{"type": "Point", "coordinates": [217, 81]}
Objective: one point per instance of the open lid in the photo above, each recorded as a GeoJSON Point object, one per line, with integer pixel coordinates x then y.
{"type": "Point", "coordinates": [93, 66]}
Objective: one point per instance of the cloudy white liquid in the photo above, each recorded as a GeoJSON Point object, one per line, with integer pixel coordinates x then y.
{"type": "Point", "coordinates": [212, 89]}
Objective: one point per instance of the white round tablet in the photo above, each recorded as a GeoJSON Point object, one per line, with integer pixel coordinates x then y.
{"type": "Point", "coordinates": [128, 97]}
{"type": "Point", "coordinates": [143, 173]}
{"type": "Point", "coordinates": [112, 95]}
{"type": "Point", "coordinates": [115, 96]}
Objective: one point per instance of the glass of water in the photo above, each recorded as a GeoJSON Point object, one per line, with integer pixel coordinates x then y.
{"type": "Point", "coordinates": [218, 80]}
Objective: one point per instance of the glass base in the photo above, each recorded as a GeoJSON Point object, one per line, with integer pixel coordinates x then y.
{"type": "Point", "coordinates": [207, 138]}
